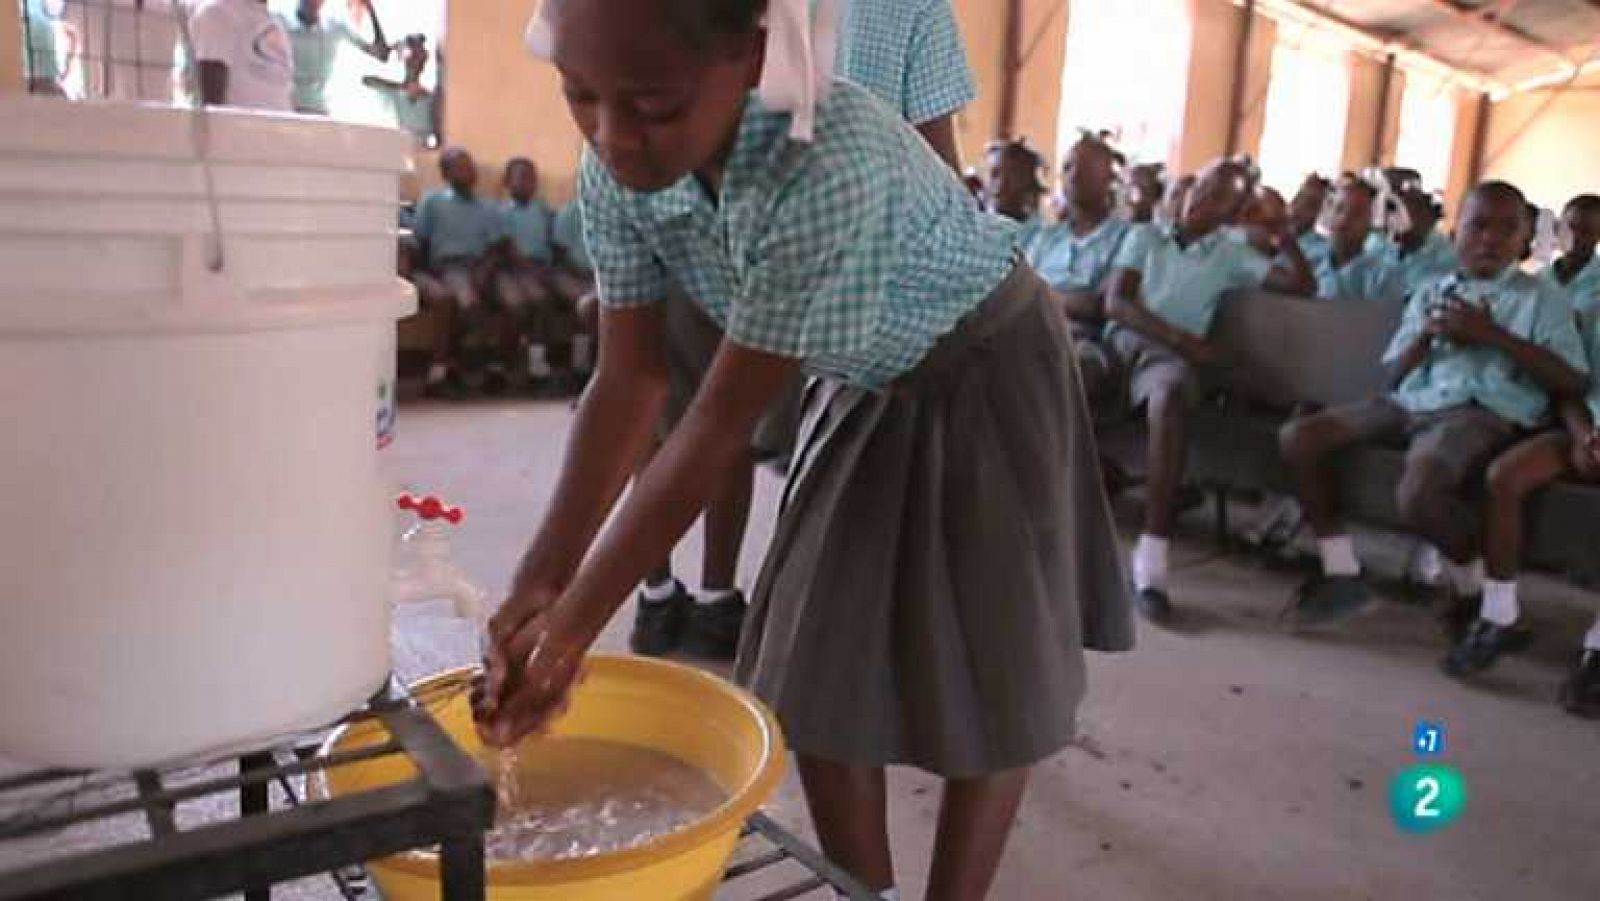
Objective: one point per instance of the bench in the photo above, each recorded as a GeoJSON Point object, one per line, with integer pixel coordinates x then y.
{"type": "Point", "coordinates": [1287, 351]}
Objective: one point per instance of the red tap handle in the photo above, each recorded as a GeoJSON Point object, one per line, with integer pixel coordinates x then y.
{"type": "Point", "coordinates": [431, 508]}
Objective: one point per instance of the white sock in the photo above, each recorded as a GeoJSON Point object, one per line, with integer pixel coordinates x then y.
{"type": "Point", "coordinates": [1499, 602]}
{"type": "Point", "coordinates": [1466, 579]}
{"type": "Point", "coordinates": [437, 373]}
{"type": "Point", "coordinates": [538, 361]}
{"type": "Point", "coordinates": [1339, 556]}
{"type": "Point", "coordinates": [1150, 563]}
{"type": "Point", "coordinates": [655, 592]}
{"type": "Point", "coordinates": [1591, 641]}
{"type": "Point", "coordinates": [1427, 564]}
{"type": "Point", "coordinates": [582, 353]}
{"type": "Point", "coordinates": [708, 596]}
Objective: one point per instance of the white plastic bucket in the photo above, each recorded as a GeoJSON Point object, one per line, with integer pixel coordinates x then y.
{"type": "Point", "coordinates": [195, 553]}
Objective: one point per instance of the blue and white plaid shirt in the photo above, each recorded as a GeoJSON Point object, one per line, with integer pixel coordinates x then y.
{"type": "Point", "coordinates": [907, 52]}
{"type": "Point", "coordinates": [853, 253]}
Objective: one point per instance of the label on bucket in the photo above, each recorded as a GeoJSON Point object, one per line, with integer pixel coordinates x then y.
{"type": "Point", "coordinates": [388, 411]}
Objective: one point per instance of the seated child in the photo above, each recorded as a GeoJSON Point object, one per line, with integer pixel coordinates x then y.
{"type": "Point", "coordinates": [525, 279]}
{"type": "Point", "coordinates": [1262, 220]}
{"type": "Point", "coordinates": [1344, 266]}
{"type": "Point", "coordinates": [1013, 187]}
{"type": "Point", "coordinates": [1074, 256]}
{"type": "Point", "coordinates": [1414, 248]}
{"type": "Point", "coordinates": [1164, 289]}
{"type": "Point", "coordinates": [1147, 184]}
{"type": "Point", "coordinates": [1475, 359]}
{"type": "Point", "coordinates": [1304, 211]}
{"type": "Point", "coordinates": [1571, 451]}
{"type": "Point", "coordinates": [573, 277]}
{"type": "Point", "coordinates": [454, 230]}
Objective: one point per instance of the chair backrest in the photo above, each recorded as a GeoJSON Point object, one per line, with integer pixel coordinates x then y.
{"type": "Point", "coordinates": [1287, 350]}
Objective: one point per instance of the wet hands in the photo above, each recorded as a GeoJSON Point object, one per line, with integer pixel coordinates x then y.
{"type": "Point", "coordinates": [534, 659]}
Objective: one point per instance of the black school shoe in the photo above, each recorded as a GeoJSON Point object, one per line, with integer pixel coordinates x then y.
{"type": "Point", "coordinates": [1327, 599]}
{"type": "Point", "coordinates": [1153, 604]}
{"type": "Point", "coordinates": [658, 625]}
{"type": "Point", "coordinates": [1580, 694]}
{"type": "Point", "coordinates": [1483, 644]}
{"type": "Point", "coordinates": [714, 628]}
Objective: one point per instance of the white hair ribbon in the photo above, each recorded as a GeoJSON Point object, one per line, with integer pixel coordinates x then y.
{"type": "Point", "coordinates": [799, 64]}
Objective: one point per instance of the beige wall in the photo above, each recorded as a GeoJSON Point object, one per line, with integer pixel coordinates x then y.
{"type": "Point", "coordinates": [1044, 41]}
{"type": "Point", "coordinates": [1548, 142]}
{"type": "Point", "coordinates": [1361, 122]}
{"type": "Point", "coordinates": [1217, 25]}
{"type": "Point", "coordinates": [1468, 112]}
{"type": "Point", "coordinates": [10, 46]}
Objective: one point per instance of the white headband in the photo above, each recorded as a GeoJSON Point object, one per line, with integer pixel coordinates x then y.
{"type": "Point", "coordinates": [799, 61]}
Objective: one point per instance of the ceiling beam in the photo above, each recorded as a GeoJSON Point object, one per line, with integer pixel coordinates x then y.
{"type": "Point", "coordinates": [1490, 20]}
{"type": "Point", "coordinates": [1394, 39]}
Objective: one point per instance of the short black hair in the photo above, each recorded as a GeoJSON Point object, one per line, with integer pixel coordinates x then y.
{"type": "Point", "coordinates": [701, 22]}
{"type": "Point", "coordinates": [1499, 190]}
{"type": "Point", "coordinates": [519, 161]}
{"type": "Point", "coordinates": [1359, 184]}
{"type": "Point", "coordinates": [1015, 148]}
{"type": "Point", "coordinates": [1587, 204]}
{"type": "Point", "coordinates": [453, 152]}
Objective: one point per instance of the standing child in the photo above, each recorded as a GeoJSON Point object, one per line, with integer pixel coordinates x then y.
{"type": "Point", "coordinates": [525, 282]}
{"type": "Point", "coordinates": [316, 42]}
{"type": "Point", "coordinates": [1476, 357]}
{"type": "Point", "coordinates": [945, 551]}
{"type": "Point", "coordinates": [455, 230]}
{"type": "Point", "coordinates": [1162, 297]}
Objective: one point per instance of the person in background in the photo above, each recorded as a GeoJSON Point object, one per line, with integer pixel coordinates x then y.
{"type": "Point", "coordinates": [1412, 246]}
{"type": "Point", "coordinates": [1176, 198]}
{"type": "Point", "coordinates": [1146, 186]}
{"type": "Point", "coordinates": [316, 43]}
{"type": "Point", "coordinates": [1570, 451]}
{"type": "Point", "coordinates": [524, 282]}
{"type": "Point", "coordinates": [1475, 360]}
{"type": "Point", "coordinates": [1577, 270]}
{"type": "Point", "coordinates": [455, 229]}
{"type": "Point", "coordinates": [415, 108]}
{"type": "Point", "coordinates": [1013, 187]}
{"type": "Point", "coordinates": [41, 62]}
{"type": "Point", "coordinates": [1074, 255]}
{"type": "Point", "coordinates": [1344, 266]}
{"type": "Point", "coordinates": [1164, 291]}
{"type": "Point", "coordinates": [243, 55]}
{"type": "Point", "coordinates": [1263, 220]}
{"type": "Point", "coordinates": [910, 55]}
{"type": "Point", "coordinates": [1304, 211]}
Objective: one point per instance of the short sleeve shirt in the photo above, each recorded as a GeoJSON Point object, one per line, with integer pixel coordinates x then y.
{"type": "Point", "coordinates": [529, 226]}
{"type": "Point", "coordinates": [458, 229]}
{"type": "Point", "coordinates": [316, 48]}
{"type": "Point", "coordinates": [1070, 262]}
{"type": "Point", "coordinates": [569, 235]}
{"type": "Point", "coordinates": [909, 54]}
{"type": "Point", "coordinates": [252, 43]}
{"type": "Point", "coordinates": [853, 253]}
{"type": "Point", "coordinates": [1184, 283]}
{"type": "Point", "coordinates": [1452, 375]}
{"type": "Point", "coordinates": [1435, 259]}
{"type": "Point", "coordinates": [1366, 277]}
{"type": "Point", "coordinates": [1312, 244]}
{"type": "Point", "coordinates": [1584, 288]}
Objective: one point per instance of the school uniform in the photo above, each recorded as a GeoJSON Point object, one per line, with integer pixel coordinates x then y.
{"type": "Point", "coordinates": [1584, 288]}
{"type": "Point", "coordinates": [458, 231]}
{"type": "Point", "coordinates": [1311, 244]}
{"type": "Point", "coordinates": [524, 286]}
{"type": "Point", "coordinates": [911, 58]}
{"type": "Point", "coordinates": [1070, 262]}
{"type": "Point", "coordinates": [251, 41]}
{"type": "Point", "coordinates": [414, 114]}
{"type": "Point", "coordinates": [945, 548]}
{"type": "Point", "coordinates": [315, 49]}
{"type": "Point", "coordinates": [1435, 259]}
{"type": "Point", "coordinates": [1183, 284]}
{"type": "Point", "coordinates": [1366, 276]}
{"type": "Point", "coordinates": [1462, 405]}
{"type": "Point", "coordinates": [567, 234]}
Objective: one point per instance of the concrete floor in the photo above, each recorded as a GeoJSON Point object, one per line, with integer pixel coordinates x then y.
{"type": "Point", "coordinates": [1226, 759]}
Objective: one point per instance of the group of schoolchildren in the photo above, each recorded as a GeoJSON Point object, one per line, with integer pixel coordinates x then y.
{"type": "Point", "coordinates": [506, 280]}
{"type": "Point", "coordinates": [1495, 368]}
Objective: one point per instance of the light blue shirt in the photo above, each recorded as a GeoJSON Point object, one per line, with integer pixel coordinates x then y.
{"type": "Point", "coordinates": [1588, 310]}
{"type": "Point", "coordinates": [1434, 260]}
{"type": "Point", "coordinates": [39, 58]}
{"type": "Point", "coordinates": [1184, 284]}
{"type": "Point", "coordinates": [569, 236]}
{"type": "Point", "coordinates": [1311, 244]}
{"type": "Point", "coordinates": [1073, 263]}
{"type": "Point", "coordinates": [1453, 375]}
{"type": "Point", "coordinates": [1584, 288]}
{"type": "Point", "coordinates": [316, 48]}
{"type": "Point", "coordinates": [907, 52]}
{"type": "Point", "coordinates": [530, 227]}
{"type": "Point", "coordinates": [853, 253]}
{"type": "Point", "coordinates": [457, 229]}
{"type": "Point", "coordinates": [1366, 277]}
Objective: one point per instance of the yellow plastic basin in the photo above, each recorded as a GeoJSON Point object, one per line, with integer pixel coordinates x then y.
{"type": "Point", "coordinates": [663, 706]}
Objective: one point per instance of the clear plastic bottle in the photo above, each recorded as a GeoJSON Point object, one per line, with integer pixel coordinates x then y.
{"type": "Point", "coordinates": [440, 614]}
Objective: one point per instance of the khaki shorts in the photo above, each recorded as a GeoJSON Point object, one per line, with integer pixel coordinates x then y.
{"type": "Point", "coordinates": [1460, 441]}
{"type": "Point", "coordinates": [1149, 367]}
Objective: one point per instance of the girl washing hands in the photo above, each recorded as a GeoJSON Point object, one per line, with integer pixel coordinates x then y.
{"type": "Point", "coordinates": [945, 550]}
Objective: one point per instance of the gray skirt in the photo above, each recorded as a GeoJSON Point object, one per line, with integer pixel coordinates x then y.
{"type": "Point", "coordinates": [944, 554]}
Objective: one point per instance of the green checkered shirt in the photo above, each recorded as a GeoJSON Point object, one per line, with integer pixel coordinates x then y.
{"type": "Point", "coordinates": [907, 52]}
{"type": "Point", "coordinates": [853, 253]}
